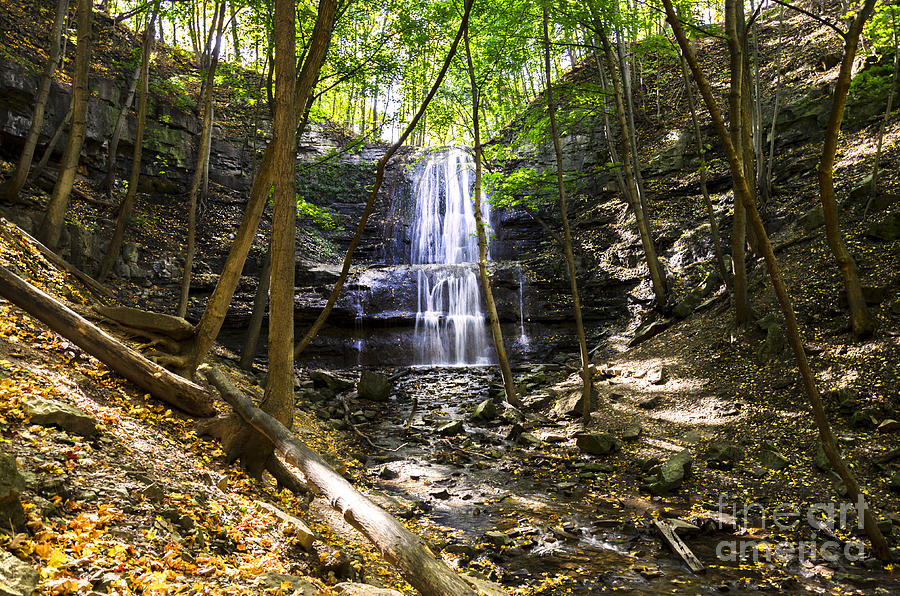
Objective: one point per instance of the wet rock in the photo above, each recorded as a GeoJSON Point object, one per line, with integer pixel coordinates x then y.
{"type": "Point", "coordinates": [672, 473]}
{"type": "Point", "coordinates": [598, 443]}
{"type": "Point", "coordinates": [11, 485]}
{"type": "Point", "coordinates": [723, 455]}
{"type": "Point", "coordinates": [54, 413]}
{"type": "Point", "coordinates": [772, 459]}
{"type": "Point", "coordinates": [330, 380]}
{"type": "Point", "coordinates": [16, 578]}
{"type": "Point", "coordinates": [497, 538]}
{"type": "Point", "coordinates": [452, 428]}
{"type": "Point", "coordinates": [374, 386]}
{"type": "Point", "coordinates": [298, 585]}
{"type": "Point", "coordinates": [632, 432]}
{"type": "Point", "coordinates": [357, 589]}
{"type": "Point", "coordinates": [442, 494]}
{"type": "Point", "coordinates": [485, 411]}
{"type": "Point", "coordinates": [885, 230]}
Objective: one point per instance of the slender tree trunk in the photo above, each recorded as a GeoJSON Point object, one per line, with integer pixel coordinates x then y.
{"type": "Point", "coordinates": [278, 401]}
{"type": "Point", "coordinates": [739, 231]}
{"type": "Point", "coordinates": [379, 179]}
{"type": "Point", "coordinates": [217, 307]}
{"type": "Point", "coordinates": [235, 38]}
{"type": "Point", "coordinates": [742, 190]}
{"type": "Point", "coordinates": [51, 226]}
{"type": "Point", "coordinates": [771, 160]}
{"type": "Point", "coordinates": [10, 189]}
{"type": "Point", "coordinates": [115, 244]}
{"type": "Point", "coordinates": [873, 188]}
{"type": "Point", "coordinates": [113, 148]}
{"type": "Point", "coordinates": [202, 164]}
{"type": "Point", "coordinates": [51, 146]}
{"type": "Point", "coordinates": [567, 233]}
{"type": "Point", "coordinates": [259, 312]}
{"type": "Point", "coordinates": [508, 383]}
{"type": "Point", "coordinates": [710, 213]}
{"type": "Point", "coordinates": [861, 319]}
{"type": "Point", "coordinates": [653, 267]}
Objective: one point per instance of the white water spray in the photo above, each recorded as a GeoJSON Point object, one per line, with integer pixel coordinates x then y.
{"type": "Point", "coordinates": [450, 323]}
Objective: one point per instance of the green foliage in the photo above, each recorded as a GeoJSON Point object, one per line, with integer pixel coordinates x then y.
{"type": "Point", "coordinates": [315, 214]}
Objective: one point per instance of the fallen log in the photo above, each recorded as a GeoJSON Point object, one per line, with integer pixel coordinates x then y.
{"type": "Point", "coordinates": [674, 542]}
{"type": "Point", "coordinates": [415, 561]}
{"type": "Point", "coordinates": [152, 378]}
{"type": "Point", "coordinates": [158, 323]}
{"type": "Point", "coordinates": [89, 282]}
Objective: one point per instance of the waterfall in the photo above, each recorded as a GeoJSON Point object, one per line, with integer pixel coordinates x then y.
{"type": "Point", "coordinates": [450, 324]}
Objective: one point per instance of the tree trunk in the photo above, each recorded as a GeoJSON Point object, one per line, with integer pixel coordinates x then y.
{"type": "Point", "coordinates": [873, 188]}
{"type": "Point", "coordinates": [739, 231]}
{"type": "Point", "coordinates": [150, 377]}
{"type": "Point", "coordinates": [201, 167]}
{"type": "Point", "coordinates": [234, 34]}
{"type": "Point", "coordinates": [51, 146]}
{"type": "Point", "coordinates": [511, 395]}
{"type": "Point", "coordinates": [259, 312]}
{"type": "Point", "coordinates": [710, 213]}
{"type": "Point", "coordinates": [415, 561]}
{"type": "Point", "coordinates": [113, 148]}
{"type": "Point", "coordinates": [567, 233]}
{"type": "Point", "coordinates": [278, 401]}
{"type": "Point", "coordinates": [51, 226]}
{"type": "Point", "coordinates": [653, 267]}
{"type": "Point", "coordinates": [792, 329]}
{"type": "Point", "coordinates": [217, 307]}
{"type": "Point", "coordinates": [771, 160]}
{"type": "Point", "coordinates": [379, 178]}
{"type": "Point", "coordinates": [861, 319]}
{"type": "Point", "coordinates": [115, 244]}
{"type": "Point", "coordinates": [10, 189]}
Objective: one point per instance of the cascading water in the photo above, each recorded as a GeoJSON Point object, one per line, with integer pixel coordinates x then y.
{"type": "Point", "coordinates": [450, 325]}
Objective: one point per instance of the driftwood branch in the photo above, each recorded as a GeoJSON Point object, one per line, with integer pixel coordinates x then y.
{"type": "Point", "coordinates": [674, 542]}
{"type": "Point", "coordinates": [416, 563]}
{"type": "Point", "coordinates": [155, 380]}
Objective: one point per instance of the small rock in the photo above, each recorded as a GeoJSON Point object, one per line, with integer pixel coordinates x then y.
{"type": "Point", "coordinates": [649, 403]}
{"type": "Point", "coordinates": [773, 460]}
{"type": "Point", "coordinates": [442, 494]}
{"type": "Point", "coordinates": [298, 586]}
{"type": "Point", "coordinates": [530, 439]}
{"type": "Point", "coordinates": [821, 460]}
{"type": "Point", "coordinates": [452, 428]}
{"type": "Point", "coordinates": [888, 425]}
{"type": "Point", "coordinates": [862, 581]}
{"type": "Point", "coordinates": [723, 455]}
{"type": "Point", "coordinates": [672, 473]}
{"type": "Point", "coordinates": [16, 578]}
{"type": "Point", "coordinates": [812, 219]}
{"type": "Point", "coordinates": [330, 380]}
{"type": "Point", "coordinates": [485, 411]}
{"type": "Point", "coordinates": [861, 420]}
{"type": "Point", "coordinates": [386, 473]}
{"type": "Point", "coordinates": [293, 526]}
{"type": "Point", "coordinates": [632, 432]}
{"type": "Point", "coordinates": [658, 376]}
{"type": "Point", "coordinates": [498, 538]}
{"type": "Point", "coordinates": [512, 415]}
{"type": "Point", "coordinates": [598, 443]}
{"type": "Point", "coordinates": [54, 413]}
{"type": "Point", "coordinates": [682, 527]}
{"type": "Point", "coordinates": [373, 386]}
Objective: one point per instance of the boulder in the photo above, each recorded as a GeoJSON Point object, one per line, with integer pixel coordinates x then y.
{"type": "Point", "coordinates": [498, 538]}
{"type": "Point", "coordinates": [648, 330]}
{"type": "Point", "coordinates": [324, 378]}
{"type": "Point", "coordinates": [485, 411]}
{"type": "Point", "coordinates": [775, 341]}
{"type": "Point", "coordinates": [772, 459]}
{"type": "Point", "coordinates": [632, 432]}
{"type": "Point", "coordinates": [723, 455]}
{"type": "Point", "coordinates": [821, 460]}
{"type": "Point", "coordinates": [374, 386]}
{"type": "Point", "coordinates": [672, 473]}
{"type": "Point", "coordinates": [11, 484]}
{"type": "Point", "coordinates": [452, 428]}
{"type": "Point", "coordinates": [16, 578]}
{"type": "Point", "coordinates": [530, 439]}
{"type": "Point", "coordinates": [48, 412]}
{"type": "Point", "coordinates": [598, 443]}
